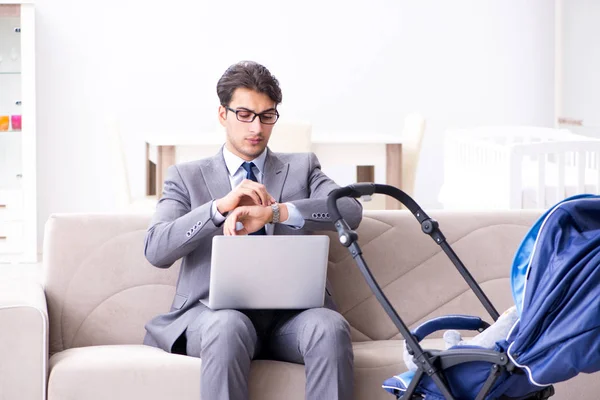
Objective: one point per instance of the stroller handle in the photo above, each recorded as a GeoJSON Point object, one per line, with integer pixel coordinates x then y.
{"type": "Point", "coordinates": [429, 226]}
{"type": "Point", "coordinates": [366, 189]}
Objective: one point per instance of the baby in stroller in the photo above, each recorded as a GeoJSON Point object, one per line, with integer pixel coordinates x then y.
{"type": "Point", "coordinates": [486, 339]}
{"type": "Point", "coordinates": [551, 334]}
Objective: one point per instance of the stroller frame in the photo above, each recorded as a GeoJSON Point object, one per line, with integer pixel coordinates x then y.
{"type": "Point", "coordinates": [432, 363]}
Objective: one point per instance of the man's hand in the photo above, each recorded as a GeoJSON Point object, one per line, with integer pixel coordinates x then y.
{"type": "Point", "coordinates": [252, 217]}
{"type": "Point", "coordinates": [247, 193]}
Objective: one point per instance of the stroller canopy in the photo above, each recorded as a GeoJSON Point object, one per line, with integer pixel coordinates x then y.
{"type": "Point", "coordinates": [556, 285]}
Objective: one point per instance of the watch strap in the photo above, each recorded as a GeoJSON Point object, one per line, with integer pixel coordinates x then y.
{"type": "Point", "coordinates": [275, 208]}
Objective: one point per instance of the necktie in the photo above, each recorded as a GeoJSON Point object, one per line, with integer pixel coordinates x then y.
{"type": "Point", "coordinates": [250, 175]}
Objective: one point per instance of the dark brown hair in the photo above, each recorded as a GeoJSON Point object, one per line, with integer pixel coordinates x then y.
{"type": "Point", "coordinates": [249, 75]}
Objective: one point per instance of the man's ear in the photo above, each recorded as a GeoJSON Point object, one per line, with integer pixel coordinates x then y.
{"type": "Point", "coordinates": [222, 115]}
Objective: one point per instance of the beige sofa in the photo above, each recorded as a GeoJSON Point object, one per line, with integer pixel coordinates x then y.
{"type": "Point", "coordinates": [100, 291]}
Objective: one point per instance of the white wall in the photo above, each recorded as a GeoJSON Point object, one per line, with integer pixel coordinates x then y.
{"type": "Point", "coordinates": [343, 65]}
{"type": "Point", "coordinates": [580, 78]}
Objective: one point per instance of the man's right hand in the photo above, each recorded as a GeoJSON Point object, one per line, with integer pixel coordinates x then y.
{"type": "Point", "coordinates": [247, 193]}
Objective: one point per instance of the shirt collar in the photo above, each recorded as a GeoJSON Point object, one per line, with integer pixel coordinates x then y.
{"type": "Point", "coordinates": [234, 162]}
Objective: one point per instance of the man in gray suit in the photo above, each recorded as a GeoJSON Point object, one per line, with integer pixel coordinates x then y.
{"type": "Point", "coordinates": [246, 189]}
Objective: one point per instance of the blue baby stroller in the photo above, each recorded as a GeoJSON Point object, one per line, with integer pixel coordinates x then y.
{"type": "Point", "coordinates": [556, 285]}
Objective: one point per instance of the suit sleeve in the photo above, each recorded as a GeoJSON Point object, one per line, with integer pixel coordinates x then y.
{"type": "Point", "coordinates": [176, 229]}
{"type": "Point", "coordinates": [314, 208]}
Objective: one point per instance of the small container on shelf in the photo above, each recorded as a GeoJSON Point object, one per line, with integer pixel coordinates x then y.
{"type": "Point", "coordinates": [4, 123]}
{"type": "Point", "coordinates": [15, 122]}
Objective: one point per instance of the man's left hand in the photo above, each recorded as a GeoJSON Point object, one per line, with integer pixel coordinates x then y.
{"type": "Point", "coordinates": [252, 217]}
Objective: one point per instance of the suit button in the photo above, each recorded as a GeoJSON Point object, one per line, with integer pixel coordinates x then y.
{"type": "Point", "coordinates": [319, 215]}
{"type": "Point", "coordinates": [314, 215]}
{"type": "Point", "coordinates": [199, 223]}
{"type": "Point", "coordinates": [326, 215]}
{"type": "Point", "coordinates": [188, 234]}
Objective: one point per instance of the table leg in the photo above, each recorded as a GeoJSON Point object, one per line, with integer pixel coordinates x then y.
{"type": "Point", "coordinates": [393, 170]}
{"type": "Point", "coordinates": [365, 173]}
{"type": "Point", "coordinates": [150, 174]}
{"type": "Point", "coordinates": [164, 159]}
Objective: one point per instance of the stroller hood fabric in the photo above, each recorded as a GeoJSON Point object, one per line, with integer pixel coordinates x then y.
{"type": "Point", "coordinates": [523, 255]}
{"type": "Point", "coordinates": [557, 335]}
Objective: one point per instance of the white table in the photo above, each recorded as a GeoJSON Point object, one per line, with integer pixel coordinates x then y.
{"type": "Point", "coordinates": [161, 151]}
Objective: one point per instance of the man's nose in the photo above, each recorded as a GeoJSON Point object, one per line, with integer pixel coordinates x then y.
{"type": "Point", "coordinates": [256, 126]}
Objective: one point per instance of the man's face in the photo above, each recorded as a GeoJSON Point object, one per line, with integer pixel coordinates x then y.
{"type": "Point", "coordinates": [247, 140]}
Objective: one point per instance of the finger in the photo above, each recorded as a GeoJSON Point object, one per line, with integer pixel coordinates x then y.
{"type": "Point", "coordinates": [265, 197]}
{"type": "Point", "coordinates": [239, 219]}
{"type": "Point", "coordinates": [226, 227]}
{"type": "Point", "coordinates": [225, 231]}
{"type": "Point", "coordinates": [248, 184]}
{"type": "Point", "coordinates": [235, 222]}
{"type": "Point", "coordinates": [253, 195]}
{"type": "Point", "coordinates": [230, 227]}
{"type": "Point", "coordinates": [242, 231]}
{"type": "Point", "coordinates": [243, 184]}
{"type": "Point", "coordinates": [261, 189]}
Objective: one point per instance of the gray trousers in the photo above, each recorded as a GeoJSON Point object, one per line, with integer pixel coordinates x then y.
{"type": "Point", "coordinates": [227, 341]}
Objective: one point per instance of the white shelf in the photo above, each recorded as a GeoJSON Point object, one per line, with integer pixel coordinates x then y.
{"type": "Point", "coordinates": [10, 133]}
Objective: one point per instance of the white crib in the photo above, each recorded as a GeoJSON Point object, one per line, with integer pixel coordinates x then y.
{"type": "Point", "coordinates": [517, 167]}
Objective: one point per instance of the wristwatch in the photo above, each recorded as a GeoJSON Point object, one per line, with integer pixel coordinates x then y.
{"type": "Point", "coordinates": [275, 208]}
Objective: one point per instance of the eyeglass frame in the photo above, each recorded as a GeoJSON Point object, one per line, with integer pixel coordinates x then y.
{"type": "Point", "coordinates": [259, 115]}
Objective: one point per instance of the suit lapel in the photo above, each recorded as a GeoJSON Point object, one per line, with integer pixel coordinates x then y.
{"type": "Point", "coordinates": [216, 176]}
{"type": "Point", "coordinates": [274, 175]}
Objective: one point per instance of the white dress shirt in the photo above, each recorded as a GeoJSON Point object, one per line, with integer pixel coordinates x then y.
{"type": "Point", "coordinates": [237, 174]}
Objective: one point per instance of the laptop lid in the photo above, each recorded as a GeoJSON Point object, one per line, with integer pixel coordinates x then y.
{"type": "Point", "coordinates": [268, 272]}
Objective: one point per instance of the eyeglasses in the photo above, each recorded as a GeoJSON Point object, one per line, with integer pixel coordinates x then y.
{"type": "Point", "coordinates": [243, 115]}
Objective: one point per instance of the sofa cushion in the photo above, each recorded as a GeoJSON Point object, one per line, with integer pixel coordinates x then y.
{"type": "Point", "coordinates": [141, 372]}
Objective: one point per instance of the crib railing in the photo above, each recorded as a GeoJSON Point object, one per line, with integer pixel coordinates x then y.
{"type": "Point", "coordinates": [500, 167]}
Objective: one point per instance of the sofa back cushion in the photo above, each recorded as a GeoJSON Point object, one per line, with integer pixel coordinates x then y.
{"type": "Point", "coordinates": [99, 287]}
{"type": "Point", "coordinates": [101, 290]}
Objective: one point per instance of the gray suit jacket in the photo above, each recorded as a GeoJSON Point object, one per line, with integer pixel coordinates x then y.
{"type": "Point", "coordinates": [182, 226]}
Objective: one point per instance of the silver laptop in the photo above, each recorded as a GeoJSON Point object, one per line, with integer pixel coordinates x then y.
{"type": "Point", "coordinates": [268, 272]}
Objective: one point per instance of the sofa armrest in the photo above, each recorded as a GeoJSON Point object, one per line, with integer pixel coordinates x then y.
{"type": "Point", "coordinates": [23, 339]}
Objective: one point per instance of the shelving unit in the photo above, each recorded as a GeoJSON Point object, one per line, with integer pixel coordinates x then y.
{"type": "Point", "coordinates": [18, 216]}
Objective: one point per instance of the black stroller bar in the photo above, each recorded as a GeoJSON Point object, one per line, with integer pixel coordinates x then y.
{"type": "Point", "coordinates": [429, 362]}
{"type": "Point", "coordinates": [428, 225]}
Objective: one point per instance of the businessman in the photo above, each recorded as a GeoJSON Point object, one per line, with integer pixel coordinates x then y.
{"type": "Point", "coordinates": [246, 189]}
